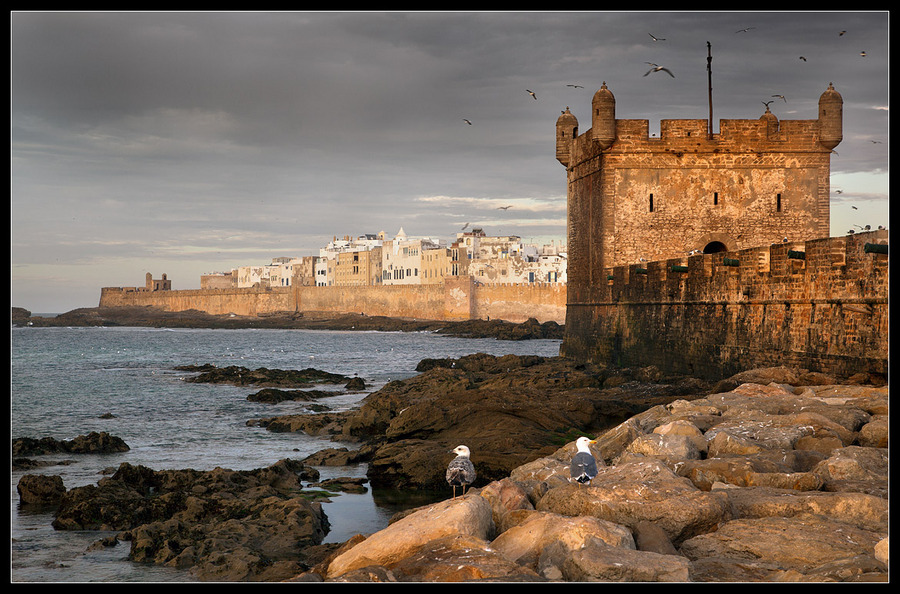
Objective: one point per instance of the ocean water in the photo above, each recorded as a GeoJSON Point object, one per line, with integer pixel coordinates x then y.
{"type": "Point", "coordinates": [64, 379]}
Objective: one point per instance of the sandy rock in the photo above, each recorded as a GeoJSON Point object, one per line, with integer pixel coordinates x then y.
{"type": "Point", "coordinates": [801, 543]}
{"type": "Point", "coordinates": [642, 491]}
{"type": "Point", "coordinates": [855, 463]}
{"type": "Point", "coordinates": [874, 434]}
{"type": "Point", "coordinates": [505, 496]}
{"type": "Point", "coordinates": [459, 558]}
{"type": "Point", "coordinates": [666, 447]}
{"type": "Point", "coordinates": [469, 516]}
{"type": "Point", "coordinates": [601, 562]}
{"type": "Point", "coordinates": [525, 542]}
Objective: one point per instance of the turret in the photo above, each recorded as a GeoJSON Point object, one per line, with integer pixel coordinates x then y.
{"type": "Point", "coordinates": [566, 131]}
{"type": "Point", "coordinates": [831, 106]}
{"type": "Point", "coordinates": [603, 125]}
{"type": "Point", "coordinates": [771, 123]}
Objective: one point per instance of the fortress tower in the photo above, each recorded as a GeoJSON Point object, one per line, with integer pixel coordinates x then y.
{"type": "Point", "coordinates": [633, 197]}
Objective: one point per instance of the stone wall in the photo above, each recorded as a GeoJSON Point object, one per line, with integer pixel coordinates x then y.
{"type": "Point", "coordinates": [820, 305]}
{"type": "Point", "coordinates": [242, 302]}
{"type": "Point", "coordinates": [454, 299]}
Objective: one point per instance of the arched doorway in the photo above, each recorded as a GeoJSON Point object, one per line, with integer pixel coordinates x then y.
{"type": "Point", "coordinates": [714, 246]}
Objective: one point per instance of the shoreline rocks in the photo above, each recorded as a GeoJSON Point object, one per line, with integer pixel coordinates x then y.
{"type": "Point", "coordinates": [153, 317]}
{"type": "Point", "coordinates": [763, 481]}
{"type": "Point", "coordinates": [783, 489]}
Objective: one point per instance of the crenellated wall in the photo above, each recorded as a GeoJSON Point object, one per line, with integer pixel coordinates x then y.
{"type": "Point", "coordinates": [820, 305]}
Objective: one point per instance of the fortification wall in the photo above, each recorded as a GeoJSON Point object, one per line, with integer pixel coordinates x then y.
{"type": "Point", "coordinates": [518, 302]}
{"type": "Point", "coordinates": [820, 305]}
{"type": "Point", "coordinates": [242, 302]}
{"type": "Point", "coordinates": [455, 299]}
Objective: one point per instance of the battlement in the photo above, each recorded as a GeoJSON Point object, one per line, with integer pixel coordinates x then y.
{"type": "Point", "coordinates": [819, 304]}
{"type": "Point", "coordinates": [849, 267]}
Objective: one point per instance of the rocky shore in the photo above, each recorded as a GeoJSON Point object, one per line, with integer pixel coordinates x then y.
{"type": "Point", "coordinates": [772, 475]}
{"type": "Point", "coordinates": [152, 317]}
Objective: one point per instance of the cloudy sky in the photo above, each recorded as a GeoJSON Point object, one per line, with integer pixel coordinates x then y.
{"type": "Point", "coordinates": [187, 143]}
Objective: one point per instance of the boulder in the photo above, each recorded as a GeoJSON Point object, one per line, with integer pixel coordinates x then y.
{"type": "Point", "coordinates": [643, 490]}
{"type": "Point", "coordinates": [800, 543]}
{"type": "Point", "coordinates": [597, 561]}
{"type": "Point", "coordinates": [38, 489]}
{"type": "Point", "coordinates": [469, 515]}
{"type": "Point", "coordinates": [526, 542]}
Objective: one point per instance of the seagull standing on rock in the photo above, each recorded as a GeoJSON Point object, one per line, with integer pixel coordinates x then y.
{"type": "Point", "coordinates": [584, 466]}
{"type": "Point", "coordinates": [460, 471]}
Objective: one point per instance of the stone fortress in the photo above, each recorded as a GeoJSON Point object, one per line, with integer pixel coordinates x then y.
{"type": "Point", "coordinates": [696, 252]}
{"type": "Point", "coordinates": [699, 205]}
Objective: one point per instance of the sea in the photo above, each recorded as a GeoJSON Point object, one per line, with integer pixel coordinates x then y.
{"type": "Point", "coordinates": [70, 381]}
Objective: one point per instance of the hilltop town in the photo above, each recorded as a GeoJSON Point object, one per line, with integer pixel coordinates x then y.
{"type": "Point", "coordinates": [376, 260]}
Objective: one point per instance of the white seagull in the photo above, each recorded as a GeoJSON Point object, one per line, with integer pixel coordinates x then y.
{"type": "Point", "coordinates": [657, 68]}
{"type": "Point", "coordinates": [584, 466]}
{"type": "Point", "coordinates": [460, 471]}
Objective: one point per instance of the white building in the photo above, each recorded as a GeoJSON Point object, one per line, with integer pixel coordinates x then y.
{"type": "Point", "coordinates": [401, 258]}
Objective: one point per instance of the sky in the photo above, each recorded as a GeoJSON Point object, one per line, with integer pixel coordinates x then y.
{"type": "Point", "coordinates": [193, 142]}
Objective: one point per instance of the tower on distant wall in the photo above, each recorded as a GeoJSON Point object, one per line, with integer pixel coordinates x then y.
{"type": "Point", "coordinates": [633, 196]}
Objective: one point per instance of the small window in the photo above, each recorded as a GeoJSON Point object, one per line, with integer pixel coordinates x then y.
{"type": "Point", "coordinates": [777, 202]}
{"type": "Point", "coordinates": [651, 202]}
{"type": "Point", "coordinates": [715, 198]}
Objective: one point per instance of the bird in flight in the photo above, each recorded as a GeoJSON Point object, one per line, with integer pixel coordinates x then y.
{"type": "Point", "coordinates": [655, 38]}
{"type": "Point", "coordinates": [766, 103]}
{"type": "Point", "coordinates": [803, 58]}
{"type": "Point", "coordinates": [782, 96]}
{"type": "Point", "coordinates": [854, 208]}
{"type": "Point", "coordinates": [863, 54]}
{"type": "Point", "coordinates": [532, 94]}
{"type": "Point", "coordinates": [875, 141]}
{"type": "Point", "coordinates": [464, 227]}
{"type": "Point", "coordinates": [574, 86]}
{"type": "Point", "coordinates": [504, 207]}
{"type": "Point", "coordinates": [657, 68]}
{"type": "Point", "coordinates": [841, 33]}
{"type": "Point", "coordinates": [467, 121]}
{"type": "Point", "coordinates": [744, 30]}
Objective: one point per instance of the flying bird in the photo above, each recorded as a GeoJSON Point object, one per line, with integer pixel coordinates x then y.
{"type": "Point", "coordinates": [464, 227]}
{"type": "Point", "coordinates": [863, 54]}
{"type": "Point", "coordinates": [841, 33]}
{"type": "Point", "coordinates": [467, 121]}
{"type": "Point", "coordinates": [744, 30]}
{"type": "Point", "coordinates": [782, 96]}
{"type": "Point", "coordinates": [460, 471]}
{"type": "Point", "coordinates": [584, 467]}
{"type": "Point", "coordinates": [657, 68]}
{"type": "Point", "coordinates": [766, 103]}
{"type": "Point", "coordinates": [532, 94]}
{"type": "Point", "coordinates": [839, 191]}
{"type": "Point", "coordinates": [854, 208]}
{"type": "Point", "coordinates": [802, 58]}
{"type": "Point", "coordinates": [504, 207]}
{"type": "Point", "coordinates": [875, 141]}
{"type": "Point", "coordinates": [655, 38]}
{"type": "Point", "coordinates": [574, 86]}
